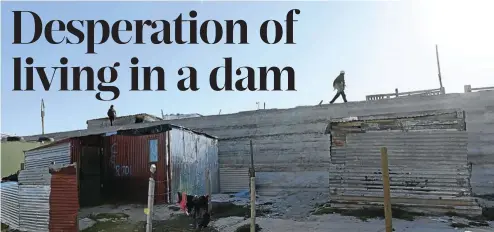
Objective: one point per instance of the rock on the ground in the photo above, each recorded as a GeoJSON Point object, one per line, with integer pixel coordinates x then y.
{"type": "Point", "coordinates": [85, 223]}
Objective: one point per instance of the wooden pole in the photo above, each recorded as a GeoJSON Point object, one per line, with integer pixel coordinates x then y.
{"type": "Point", "coordinates": [386, 189]}
{"type": "Point", "coordinates": [42, 117]}
{"type": "Point", "coordinates": [252, 191]}
{"type": "Point", "coordinates": [149, 216]}
{"type": "Point", "coordinates": [208, 190]}
{"type": "Point", "coordinates": [76, 165]}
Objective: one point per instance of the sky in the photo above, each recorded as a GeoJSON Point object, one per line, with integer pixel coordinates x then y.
{"type": "Point", "coordinates": [381, 45]}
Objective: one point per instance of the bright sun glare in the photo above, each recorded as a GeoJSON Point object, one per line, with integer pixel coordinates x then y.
{"type": "Point", "coordinates": [465, 26]}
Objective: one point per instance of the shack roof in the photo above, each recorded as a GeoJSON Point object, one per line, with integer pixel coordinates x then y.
{"type": "Point", "coordinates": [131, 129]}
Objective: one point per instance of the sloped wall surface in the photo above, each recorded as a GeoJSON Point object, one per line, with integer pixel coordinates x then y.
{"type": "Point", "coordinates": [293, 140]}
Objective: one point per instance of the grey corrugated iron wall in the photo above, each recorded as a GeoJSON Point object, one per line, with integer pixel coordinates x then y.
{"type": "Point", "coordinates": [209, 148]}
{"type": "Point", "coordinates": [42, 158]}
{"type": "Point", "coordinates": [233, 180]}
{"type": "Point", "coordinates": [191, 155]}
{"type": "Point", "coordinates": [10, 204]}
{"type": "Point", "coordinates": [34, 200]}
{"type": "Point", "coordinates": [428, 171]}
{"type": "Point", "coordinates": [26, 203]}
{"type": "Point", "coordinates": [39, 176]}
{"type": "Point", "coordinates": [276, 183]}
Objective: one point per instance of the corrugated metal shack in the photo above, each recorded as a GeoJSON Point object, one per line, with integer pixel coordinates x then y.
{"type": "Point", "coordinates": [428, 166]}
{"type": "Point", "coordinates": [34, 199]}
{"type": "Point", "coordinates": [64, 199]}
{"type": "Point", "coordinates": [113, 164]}
{"type": "Point", "coordinates": [10, 204]}
{"type": "Point", "coordinates": [44, 199]}
{"type": "Point", "coordinates": [192, 156]}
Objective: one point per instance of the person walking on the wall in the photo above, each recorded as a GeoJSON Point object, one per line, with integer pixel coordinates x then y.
{"type": "Point", "coordinates": [339, 86]}
{"type": "Point", "coordinates": [112, 114]}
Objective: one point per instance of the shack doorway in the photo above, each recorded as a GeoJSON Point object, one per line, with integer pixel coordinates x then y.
{"type": "Point", "coordinates": [90, 176]}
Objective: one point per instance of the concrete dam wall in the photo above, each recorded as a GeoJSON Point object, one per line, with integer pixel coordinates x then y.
{"type": "Point", "coordinates": [291, 151]}
{"type": "Point", "coordinates": [290, 143]}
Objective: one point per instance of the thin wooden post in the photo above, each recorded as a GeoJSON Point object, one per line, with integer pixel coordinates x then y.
{"type": "Point", "coordinates": [77, 186]}
{"type": "Point", "coordinates": [208, 190]}
{"type": "Point", "coordinates": [252, 191]}
{"type": "Point", "coordinates": [42, 117]}
{"type": "Point", "coordinates": [77, 176]}
{"type": "Point", "coordinates": [149, 216]}
{"type": "Point", "coordinates": [386, 189]}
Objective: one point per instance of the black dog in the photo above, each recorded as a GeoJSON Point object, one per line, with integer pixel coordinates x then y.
{"type": "Point", "coordinates": [196, 206]}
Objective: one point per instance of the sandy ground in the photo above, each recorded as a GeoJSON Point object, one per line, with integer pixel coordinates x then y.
{"type": "Point", "coordinates": [289, 213]}
{"type": "Point", "coordinates": [336, 223]}
{"type": "Point", "coordinates": [135, 212]}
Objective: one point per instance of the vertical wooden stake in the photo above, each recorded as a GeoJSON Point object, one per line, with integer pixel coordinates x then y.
{"type": "Point", "coordinates": [149, 217]}
{"type": "Point", "coordinates": [78, 180]}
{"type": "Point", "coordinates": [252, 191]}
{"type": "Point", "coordinates": [78, 192]}
{"type": "Point", "coordinates": [208, 190]}
{"type": "Point", "coordinates": [252, 204]}
{"type": "Point", "coordinates": [42, 117]}
{"type": "Point", "coordinates": [386, 189]}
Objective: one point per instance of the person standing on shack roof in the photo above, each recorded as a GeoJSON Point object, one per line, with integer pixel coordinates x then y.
{"type": "Point", "coordinates": [339, 85]}
{"type": "Point", "coordinates": [112, 114]}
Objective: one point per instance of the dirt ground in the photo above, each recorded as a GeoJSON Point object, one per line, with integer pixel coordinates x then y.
{"type": "Point", "coordinates": [274, 215]}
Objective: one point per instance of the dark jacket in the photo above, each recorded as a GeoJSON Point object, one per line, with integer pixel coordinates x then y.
{"type": "Point", "coordinates": [112, 113]}
{"type": "Point", "coordinates": [339, 82]}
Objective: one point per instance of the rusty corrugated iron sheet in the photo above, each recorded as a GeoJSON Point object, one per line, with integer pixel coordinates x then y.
{"type": "Point", "coordinates": [127, 160]}
{"type": "Point", "coordinates": [9, 213]}
{"type": "Point", "coordinates": [87, 141]}
{"type": "Point", "coordinates": [427, 156]}
{"type": "Point", "coordinates": [64, 199]}
{"type": "Point", "coordinates": [75, 150]}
